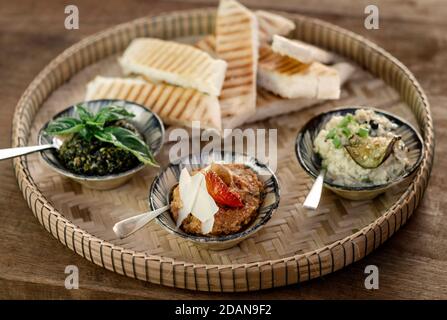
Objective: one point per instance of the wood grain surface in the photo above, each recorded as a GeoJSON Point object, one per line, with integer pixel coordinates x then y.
{"type": "Point", "coordinates": [412, 264]}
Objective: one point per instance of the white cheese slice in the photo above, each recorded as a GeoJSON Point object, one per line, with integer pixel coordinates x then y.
{"type": "Point", "coordinates": [196, 200]}
{"type": "Point", "coordinates": [207, 226]}
{"type": "Point", "coordinates": [204, 207]}
{"type": "Point", "coordinates": [185, 195]}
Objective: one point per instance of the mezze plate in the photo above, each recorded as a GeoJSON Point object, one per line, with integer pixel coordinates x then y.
{"type": "Point", "coordinates": [294, 246]}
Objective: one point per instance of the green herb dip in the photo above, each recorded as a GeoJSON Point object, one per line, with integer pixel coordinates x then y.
{"type": "Point", "coordinates": [95, 157]}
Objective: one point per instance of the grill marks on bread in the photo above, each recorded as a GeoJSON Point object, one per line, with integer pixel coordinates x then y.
{"type": "Point", "coordinates": [236, 42]}
{"type": "Point", "coordinates": [175, 105]}
{"type": "Point", "coordinates": [174, 63]}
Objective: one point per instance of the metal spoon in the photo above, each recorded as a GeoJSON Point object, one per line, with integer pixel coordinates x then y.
{"type": "Point", "coordinates": [8, 153]}
{"type": "Point", "coordinates": [128, 226]}
{"type": "Point", "coordinates": [314, 195]}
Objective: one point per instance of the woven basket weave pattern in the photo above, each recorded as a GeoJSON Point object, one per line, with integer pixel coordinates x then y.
{"type": "Point", "coordinates": [220, 277]}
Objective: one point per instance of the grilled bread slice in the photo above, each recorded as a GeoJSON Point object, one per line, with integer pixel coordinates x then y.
{"type": "Point", "coordinates": [300, 51]}
{"type": "Point", "coordinates": [175, 105]}
{"type": "Point", "coordinates": [229, 120]}
{"type": "Point", "coordinates": [207, 44]}
{"type": "Point", "coordinates": [174, 63]}
{"type": "Point", "coordinates": [237, 44]}
{"type": "Point", "coordinates": [290, 78]}
{"type": "Point", "coordinates": [271, 24]}
{"type": "Point", "coordinates": [270, 105]}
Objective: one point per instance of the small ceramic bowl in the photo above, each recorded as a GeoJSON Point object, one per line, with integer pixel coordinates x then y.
{"type": "Point", "coordinates": [165, 182]}
{"type": "Point", "coordinates": [146, 122]}
{"type": "Point", "coordinates": [310, 161]}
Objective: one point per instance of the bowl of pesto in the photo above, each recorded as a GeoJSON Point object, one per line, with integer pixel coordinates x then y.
{"type": "Point", "coordinates": [102, 143]}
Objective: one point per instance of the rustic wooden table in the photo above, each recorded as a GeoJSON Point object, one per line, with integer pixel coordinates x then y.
{"type": "Point", "coordinates": [412, 264]}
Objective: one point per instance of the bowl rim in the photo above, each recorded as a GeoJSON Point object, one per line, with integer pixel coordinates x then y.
{"type": "Point", "coordinates": [358, 188]}
{"type": "Point", "coordinates": [226, 238]}
{"type": "Point", "coordinates": [107, 177]}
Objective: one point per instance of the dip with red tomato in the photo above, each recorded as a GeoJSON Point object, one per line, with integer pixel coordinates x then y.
{"type": "Point", "coordinates": [237, 192]}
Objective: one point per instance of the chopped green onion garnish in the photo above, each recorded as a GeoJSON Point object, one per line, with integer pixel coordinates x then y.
{"type": "Point", "coordinates": [346, 131]}
{"type": "Point", "coordinates": [331, 134]}
{"type": "Point", "coordinates": [363, 132]}
{"type": "Point", "coordinates": [345, 121]}
{"type": "Point", "coordinates": [337, 142]}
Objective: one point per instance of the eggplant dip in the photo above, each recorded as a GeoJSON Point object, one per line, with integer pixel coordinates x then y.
{"type": "Point", "coordinates": [99, 144]}
{"type": "Point", "coordinates": [235, 192]}
{"type": "Point", "coordinates": [361, 149]}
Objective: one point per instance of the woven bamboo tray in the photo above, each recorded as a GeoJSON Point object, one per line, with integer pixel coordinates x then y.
{"type": "Point", "coordinates": [294, 246]}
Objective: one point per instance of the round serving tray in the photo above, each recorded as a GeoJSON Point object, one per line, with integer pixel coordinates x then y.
{"type": "Point", "coordinates": [295, 246]}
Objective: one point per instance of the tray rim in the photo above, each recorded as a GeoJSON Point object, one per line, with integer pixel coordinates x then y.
{"type": "Point", "coordinates": [51, 81]}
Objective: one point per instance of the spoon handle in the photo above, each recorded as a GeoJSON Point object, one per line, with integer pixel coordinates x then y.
{"type": "Point", "coordinates": [128, 226]}
{"type": "Point", "coordinates": [314, 196]}
{"type": "Point", "coordinates": [20, 151]}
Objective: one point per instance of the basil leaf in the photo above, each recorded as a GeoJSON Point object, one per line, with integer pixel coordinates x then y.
{"type": "Point", "coordinates": [127, 140]}
{"type": "Point", "coordinates": [112, 113]}
{"type": "Point", "coordinates": [83, 113]}
{"type": "Point", "coordinates": [86, 133]}
{"type": "Point", "coordinates": [64, 125]}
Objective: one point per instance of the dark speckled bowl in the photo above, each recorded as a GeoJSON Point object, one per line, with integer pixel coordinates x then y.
{"type": "Point", "coordinates": [163, 184]}
{"type": "Point", "coordinates": [311, 162]}
{"type": "Point", "coordinates": [146, 122]}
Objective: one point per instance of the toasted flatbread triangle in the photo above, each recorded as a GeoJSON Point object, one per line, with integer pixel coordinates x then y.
{"type": "Point", "coordinates": [175, 105]}
{"type": "Point", "coordinates": [300, 50]}
{"type": "Point", "coordinates": [271, 24]}
{"type": "Point", "coordinates": [237, 44]}
{"type": "Point", "coordinates": [174, 63]}
{"type": "Point", "coordinates": [207, 44]}
{"type": "Point", "coordinates": [270, 105]}
{"type": "Point", "coordinates": [291, 79]}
